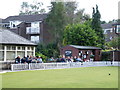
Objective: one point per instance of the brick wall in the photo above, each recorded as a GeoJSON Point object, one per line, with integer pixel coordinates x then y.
{"type": "Point", "coordinates": [75, 52]}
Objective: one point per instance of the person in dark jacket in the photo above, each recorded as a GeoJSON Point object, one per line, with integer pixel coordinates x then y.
{"type": "Point", "coordinates": [74, 59]}
{"type": "Point", "coordinates": [63, 59]}
{"type": "Point", "coordinates": [17, 60]}
{"type": "Point", "coordinates": [68, 59]}
{"type": "Point", "coordinates": [28, 59]}
{"type": "Point", "coordinates": [23, 60]}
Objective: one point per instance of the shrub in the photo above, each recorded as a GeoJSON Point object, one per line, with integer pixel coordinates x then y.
{"type": "Point", "coordinates": [49, 50]}
{"type": "Point", "coordinates": [105, 56]}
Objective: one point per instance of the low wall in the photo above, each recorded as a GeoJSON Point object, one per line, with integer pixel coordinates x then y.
{"type": "Point", "coordinates": [6, 65]}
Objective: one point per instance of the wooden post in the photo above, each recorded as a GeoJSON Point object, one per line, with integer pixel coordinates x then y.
{"type": "Point", "coordinates": [113, 57]}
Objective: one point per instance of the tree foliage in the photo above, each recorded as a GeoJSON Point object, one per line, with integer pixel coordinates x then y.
{"type": "Point", "coordinates": [80, 34]}
{"type": "Point", "coordinates": [73, 14]}
{"type": "Point", "coordinates": [49, 50]}
{"type": "Point", "coordinates": [115, 43]}
{"type": "Point", "coordinates": [70, 8]}
{"type": "Point", "coordinates": [29, 9]}
{"type": "Point", "coordinates": [96, 25]}
{"type": "Point", "coordinates": [105, 56]}
{"type": "Point", "coordinates": [62, 14]}
{"type": "Point", "coordinates": [56, 20]}
{"type": "Point", "coordinates": [103, 22]}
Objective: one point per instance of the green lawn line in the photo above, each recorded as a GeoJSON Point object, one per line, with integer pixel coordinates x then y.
{"type": "Point", "coordinates": [85, 77]}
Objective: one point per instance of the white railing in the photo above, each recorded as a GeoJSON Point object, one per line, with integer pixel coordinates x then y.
{"type": "Point", "coordinates": [33, 66]}
{"type": "Point", "coordinates": [19, 67]}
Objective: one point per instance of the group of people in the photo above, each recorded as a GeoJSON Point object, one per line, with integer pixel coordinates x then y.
{"type": "Point", "coordinates": [38, 59]}
{"type": "Point", "coordinates": [66, 59]}
{"type": "Point", "coordinates": [69, 59]}
{"type": "Point", "coordinates": [28, 59]}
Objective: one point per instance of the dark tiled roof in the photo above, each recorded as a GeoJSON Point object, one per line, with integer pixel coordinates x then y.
{"type": "Point", "coordinates": [84, 47]}
{"type": "Point", "coordinates": [26, 18]}
{"type": "Point", "coordinates": [8, 37]}
{"type": "Point", "coordinates": [106, 25]}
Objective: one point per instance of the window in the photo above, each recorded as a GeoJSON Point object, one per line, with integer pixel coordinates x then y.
{"type": "Point", "coordinates": [23, 48]}
{"type": "Point", "coordinates": [28, 30]}
{"type": "Point", "coordinates": [86, 52]}
{"type": "Point", "coordinates": [13, 48]}
{"type": "Point", "coordinates": [106, 31]}
{"type": "Point", "coordinates": [118, 29]}
{"type": "Point", "coordinates": [28, 48]}
{"type": "Point", "coordinates": [80, 53]}
{"type": "Point", "coordinates": [32, 30]}
{"type": "Point", "coordinates": [35, 39]}
{"type": "Point", "coordinates": [35, 24]}
{"type": "Point", "coordinates": [8, 47]}
{"type": "Point", "coordinates": [21, 53]}
{"type": "Point", "coordinates": [68, 53]}
{"type": "Point", "coordinates": [35, 30]}
{"type": "Point", "coordinates": [13, 24]}
{"type": "Point", "coordinates": [10, 55]}
{"type": "Point", "coordinates": [30, 53]}
{"type": "Point", "coordinates": [1, 55]}
{"type": "Point", "coordinates": [19, 48]}
{"type": "Point", "coordinates": [32, 48]}
{"type": "Point", "coordinates": [1, 47]}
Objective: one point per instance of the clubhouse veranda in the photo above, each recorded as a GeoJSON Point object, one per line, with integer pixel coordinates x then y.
{"type": "Point", "coordinates": [13, 45]}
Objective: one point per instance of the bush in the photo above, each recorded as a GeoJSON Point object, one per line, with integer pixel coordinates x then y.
{"type": "Point", "coordinates": [105, 56]}
{"type": "Point", "coordinates": [50, 50]}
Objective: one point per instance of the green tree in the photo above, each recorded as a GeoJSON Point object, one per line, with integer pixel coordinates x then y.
{"type": "Point", "coordinates": [115, 43]}
{"type": "Point", "coordinates": [79, 15]}
{"type": "Point", "coordinates": [49, 50]}
{"type": "Point", "coordinates": [70, 8]}
{"type": "Point", "coordinates": [96, 25]}
{"type": "Point", "coordinates": [56, 20]}
{"type": "Point", "coordinates": [29, 9]}
{"type": "Point", "coordinates": [103, 22]}
{"type": "Point", "coordinates": [80, 34]}
{"type": "Point", "coordinates": [73, 14]}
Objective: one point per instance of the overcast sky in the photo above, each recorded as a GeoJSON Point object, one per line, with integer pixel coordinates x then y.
{"type": "Point", "coordinates": [107, 8]}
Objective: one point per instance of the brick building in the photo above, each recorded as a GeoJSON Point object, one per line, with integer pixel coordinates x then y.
{"type": "Point", "coordinates": [109, 30]}
{"type": "Point", "coordinates": [82, 51]}
{"type": "Point", "coordinates": [31, 27]}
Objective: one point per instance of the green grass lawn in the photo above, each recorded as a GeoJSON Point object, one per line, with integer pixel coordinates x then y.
{"type": "Point", "coordinates": [85, 77]}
